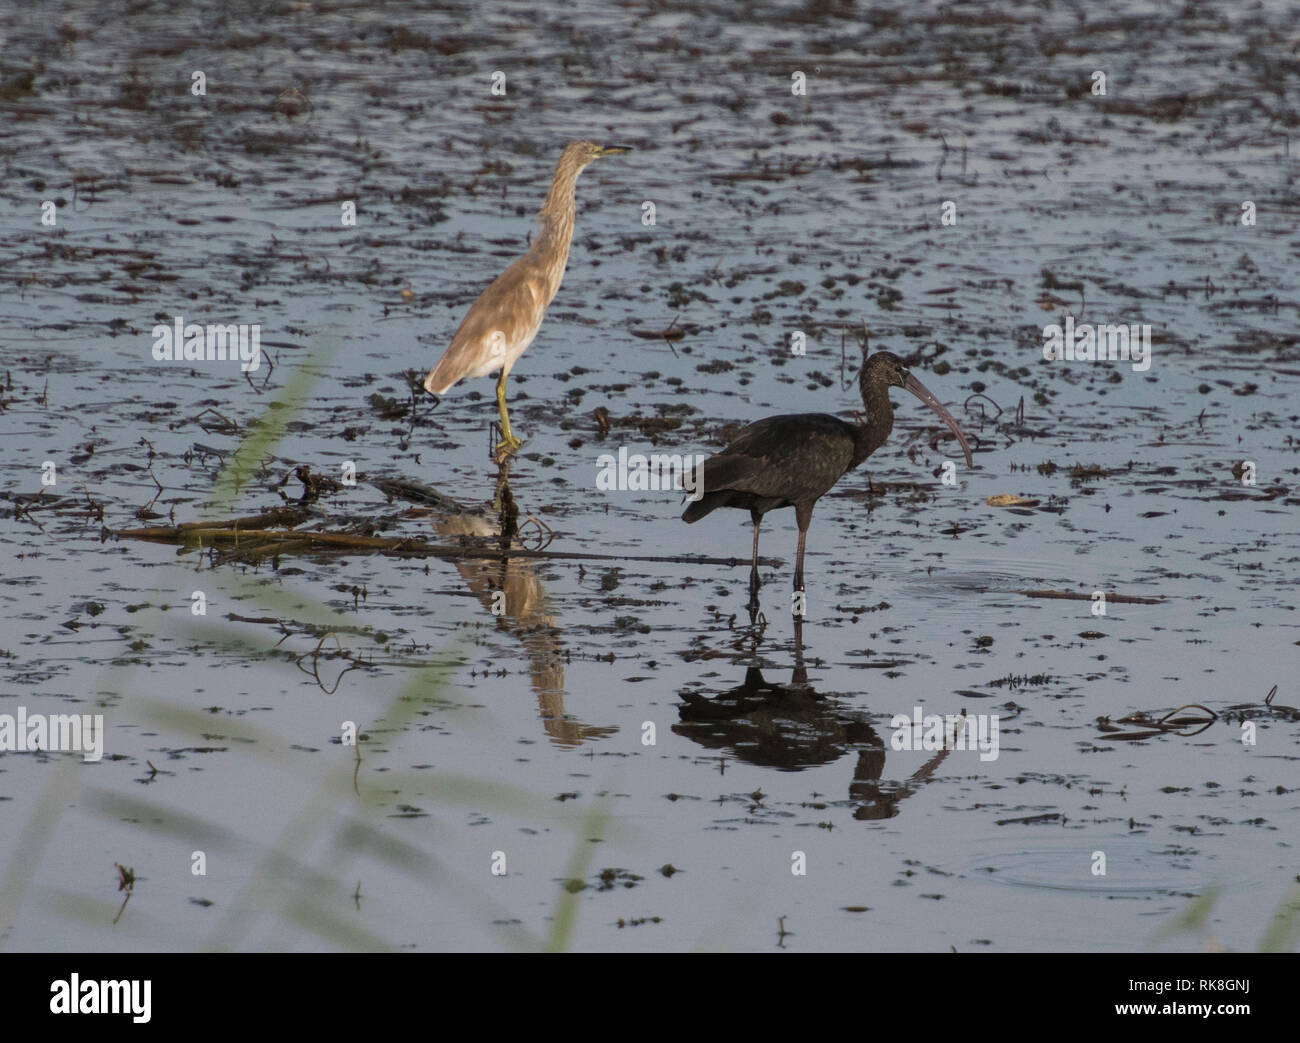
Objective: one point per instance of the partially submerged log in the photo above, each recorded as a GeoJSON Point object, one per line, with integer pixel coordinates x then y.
{"type": "Point", "coordinates": [256, 536]}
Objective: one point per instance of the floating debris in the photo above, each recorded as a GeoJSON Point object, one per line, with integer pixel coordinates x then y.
{"type": "Point", "coordinates": [1149, 727]}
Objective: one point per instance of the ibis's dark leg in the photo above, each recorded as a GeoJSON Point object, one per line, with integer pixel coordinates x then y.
{"type": "Point", "coordinates": [803, 516]}
{"type": "Point", "coordinates": [753, 567]}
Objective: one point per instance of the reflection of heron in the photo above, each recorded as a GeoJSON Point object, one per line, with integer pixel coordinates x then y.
{"type": "Point", "coordinates": [792, 461]}
{"type": "Point", "coordinates": [505, 319]}
{"type": "Point", "coordinates": [511, 590]}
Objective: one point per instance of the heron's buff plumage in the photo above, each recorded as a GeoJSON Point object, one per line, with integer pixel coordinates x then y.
{"type": "Point", "coordinates": [506, 317]}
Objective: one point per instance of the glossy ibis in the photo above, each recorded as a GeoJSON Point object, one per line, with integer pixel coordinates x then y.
{"type": "Point", "coordinates": [792, 461]}
{"type": "Point", "coordinates": [504, 320]}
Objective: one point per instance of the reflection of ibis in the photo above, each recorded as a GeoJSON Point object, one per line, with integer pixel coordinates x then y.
{"type": "Point", "coordinates": [792, 461]}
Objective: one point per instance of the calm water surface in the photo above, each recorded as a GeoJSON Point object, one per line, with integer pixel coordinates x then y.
{"type": "Point", "coordinates": [521, 741]}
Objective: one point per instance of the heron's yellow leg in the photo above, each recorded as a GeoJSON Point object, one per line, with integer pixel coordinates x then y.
{"type": "Point", "coordinates": [508, 439]}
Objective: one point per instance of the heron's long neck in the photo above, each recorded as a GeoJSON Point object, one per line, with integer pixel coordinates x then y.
{"type": "Point", "coordinates": [556, 216]}
{"type": "Point", "coordinates": [871, 435]}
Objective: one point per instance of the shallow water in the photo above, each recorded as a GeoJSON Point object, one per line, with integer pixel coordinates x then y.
{"type": "Point", "coordinates": [522, 736]}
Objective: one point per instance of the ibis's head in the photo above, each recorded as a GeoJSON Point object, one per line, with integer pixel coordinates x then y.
{"type": "Point", "coordinates": [884, 367]}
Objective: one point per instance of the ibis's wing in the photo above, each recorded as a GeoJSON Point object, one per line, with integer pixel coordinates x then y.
{"type": "Point", "coordinates": [787, 457]}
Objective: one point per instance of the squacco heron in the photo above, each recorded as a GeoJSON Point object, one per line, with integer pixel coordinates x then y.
{"type": "Point", "coordinates": [506, 317]}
